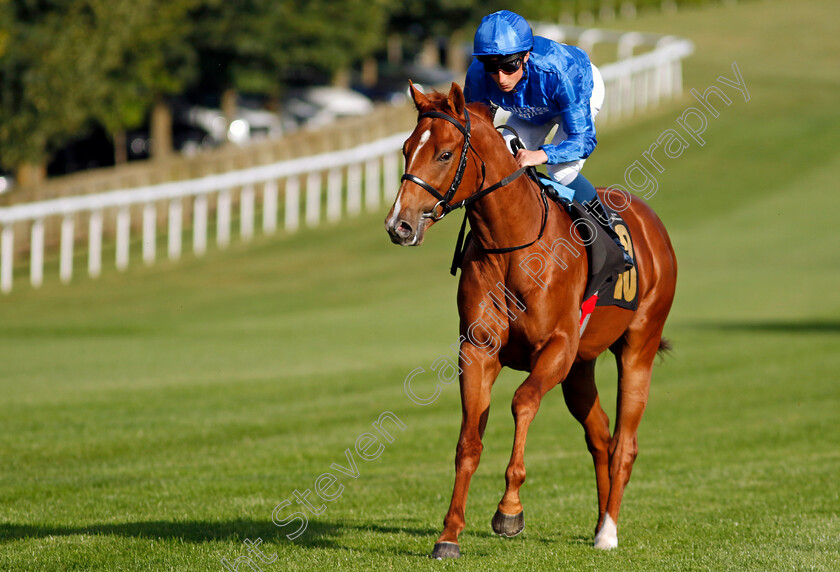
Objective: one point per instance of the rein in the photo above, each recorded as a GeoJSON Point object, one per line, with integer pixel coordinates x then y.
{"type": "Point", "coordinates": [443, 199]}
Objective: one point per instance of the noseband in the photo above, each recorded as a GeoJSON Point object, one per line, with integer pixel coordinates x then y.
{"type": "Point", "coordinates": [443, 199]}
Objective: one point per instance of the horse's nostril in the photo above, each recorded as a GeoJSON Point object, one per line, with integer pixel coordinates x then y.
{"type": "Point", "coordinates": [404, 229]}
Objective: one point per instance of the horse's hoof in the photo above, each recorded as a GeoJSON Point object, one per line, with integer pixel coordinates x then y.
{"type": "Point", "coordinates": [446, 550]}
{"type": "Point", "coordinates": [508, 525]}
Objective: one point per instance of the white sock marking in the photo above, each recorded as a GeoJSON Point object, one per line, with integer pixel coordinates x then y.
{"type": "Point", "coordinates": [607, 537]}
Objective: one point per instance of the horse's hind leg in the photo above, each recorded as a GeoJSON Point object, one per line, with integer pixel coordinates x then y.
{"type": "Point", "coordinates": [582, 400]}
{"type": "Point", "coordinates": [634, 358]}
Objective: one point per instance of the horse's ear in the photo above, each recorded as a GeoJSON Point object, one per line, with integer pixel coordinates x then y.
{"type": "Point", "coordinates": [456, 99]}
{"type": "Point", "coordinates": [420, 100]}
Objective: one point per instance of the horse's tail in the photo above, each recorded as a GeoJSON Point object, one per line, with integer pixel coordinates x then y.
{"type": "Point", "coordinates": [665, 348]}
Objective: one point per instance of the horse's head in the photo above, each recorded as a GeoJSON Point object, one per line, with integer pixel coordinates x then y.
{"type": "Point", "coordinates": [436, 162]}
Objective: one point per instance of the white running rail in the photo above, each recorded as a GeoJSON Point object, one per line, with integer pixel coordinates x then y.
{"type": "Point", "coordinates": [353, 178]}
{"type": "Point", "coordinates": [633, 83]}
{"type": "Point", "coordinates": [376, 164]}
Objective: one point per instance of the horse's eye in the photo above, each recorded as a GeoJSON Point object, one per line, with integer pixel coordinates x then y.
{"type": "Point", "coordinates": [445, 156]}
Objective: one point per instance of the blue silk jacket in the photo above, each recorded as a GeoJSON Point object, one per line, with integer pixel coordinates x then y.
{"type": "Point", "coordinates": [556, 86]}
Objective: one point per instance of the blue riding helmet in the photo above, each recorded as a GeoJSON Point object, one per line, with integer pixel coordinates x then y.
{"type": "Point", "coordinates": [502, 33]}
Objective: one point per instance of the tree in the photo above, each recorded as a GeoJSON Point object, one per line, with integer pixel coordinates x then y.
{"type": "Point", "coordinates": [438, 18]}
{"type": "Point", "coordinates": [70, 64]}
{"type": "Point", "coordinates": [327, 35]}
{"type": "Point", "coordinates": [146, 56]}
{"type": "Point", "coordinates": [256, 45]}
{"type": "Point", "coordinates": [262, 46]}
{"type": "Point", "coordinates": [418, 26]}
{"type": "Point", "coordinates": [67, 65]}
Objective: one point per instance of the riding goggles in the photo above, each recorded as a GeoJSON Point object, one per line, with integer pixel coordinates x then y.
{"type": "Point", "coordinates": [508, 65]}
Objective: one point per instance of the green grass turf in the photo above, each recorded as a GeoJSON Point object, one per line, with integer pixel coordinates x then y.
{"type": "Point", "coordinates": [152, 420]}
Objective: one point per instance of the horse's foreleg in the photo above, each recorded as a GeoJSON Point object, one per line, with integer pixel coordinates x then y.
{"type": "Point", "coordinates": [635, 363]}
{"type": "Point", "coordinates": [582, 400]}
{"type": "Point", "coordinates": [476, 382]}
{"type": "Point", "coordinates": [551, 367]}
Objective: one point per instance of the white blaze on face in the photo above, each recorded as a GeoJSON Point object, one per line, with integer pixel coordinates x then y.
{"type": "Point", "coordinates": [424, 138]}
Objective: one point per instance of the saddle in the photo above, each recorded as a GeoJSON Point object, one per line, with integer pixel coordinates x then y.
{"type": "Point", "coordinates": [607, 283]}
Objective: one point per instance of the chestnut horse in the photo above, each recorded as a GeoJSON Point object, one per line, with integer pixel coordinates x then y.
{"type": "Point", "coordinates": [529, 325]}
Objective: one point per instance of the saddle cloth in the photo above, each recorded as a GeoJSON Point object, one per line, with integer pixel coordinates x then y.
{"type": "Point", "coordinates": [608, 283]}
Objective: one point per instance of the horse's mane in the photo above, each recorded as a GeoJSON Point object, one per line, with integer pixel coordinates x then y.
{"type": "Point", "coordinates": [481, 109]}
{"type": "Point", "coordinates": [440, 102]}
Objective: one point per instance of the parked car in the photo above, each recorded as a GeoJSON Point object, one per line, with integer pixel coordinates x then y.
{"type": "Point", "coordinates": [247, 125]}
{"type": "Point", "coordinates": [90, 151]}
{"type": "Point", "coordinates": [316, 106]}
{"type": "Point", "coordinates": [187, 139]}
{"type": "Point", "coordinates": [197, 127]}
{"type": "Point", "coordinates": [392, 81]}
{"type": "Point", "coordinates": [252, 119]}
{"type": "Point", "coordinates": [7, 181]}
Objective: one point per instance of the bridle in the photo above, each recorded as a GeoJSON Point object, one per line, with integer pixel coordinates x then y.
{"type": "Point", "coordinates": [443, 199]}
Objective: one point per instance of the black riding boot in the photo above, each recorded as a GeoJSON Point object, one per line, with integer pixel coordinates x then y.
{"type": "Point", "coordinates": [596, 209]}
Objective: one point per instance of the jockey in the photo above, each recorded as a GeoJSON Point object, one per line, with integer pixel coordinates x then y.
{"type": "Point", "coordinates": [542, 84]}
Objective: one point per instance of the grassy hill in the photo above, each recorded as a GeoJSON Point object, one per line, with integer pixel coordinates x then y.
{"type": "Point", "coordinates": [152, 420]}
